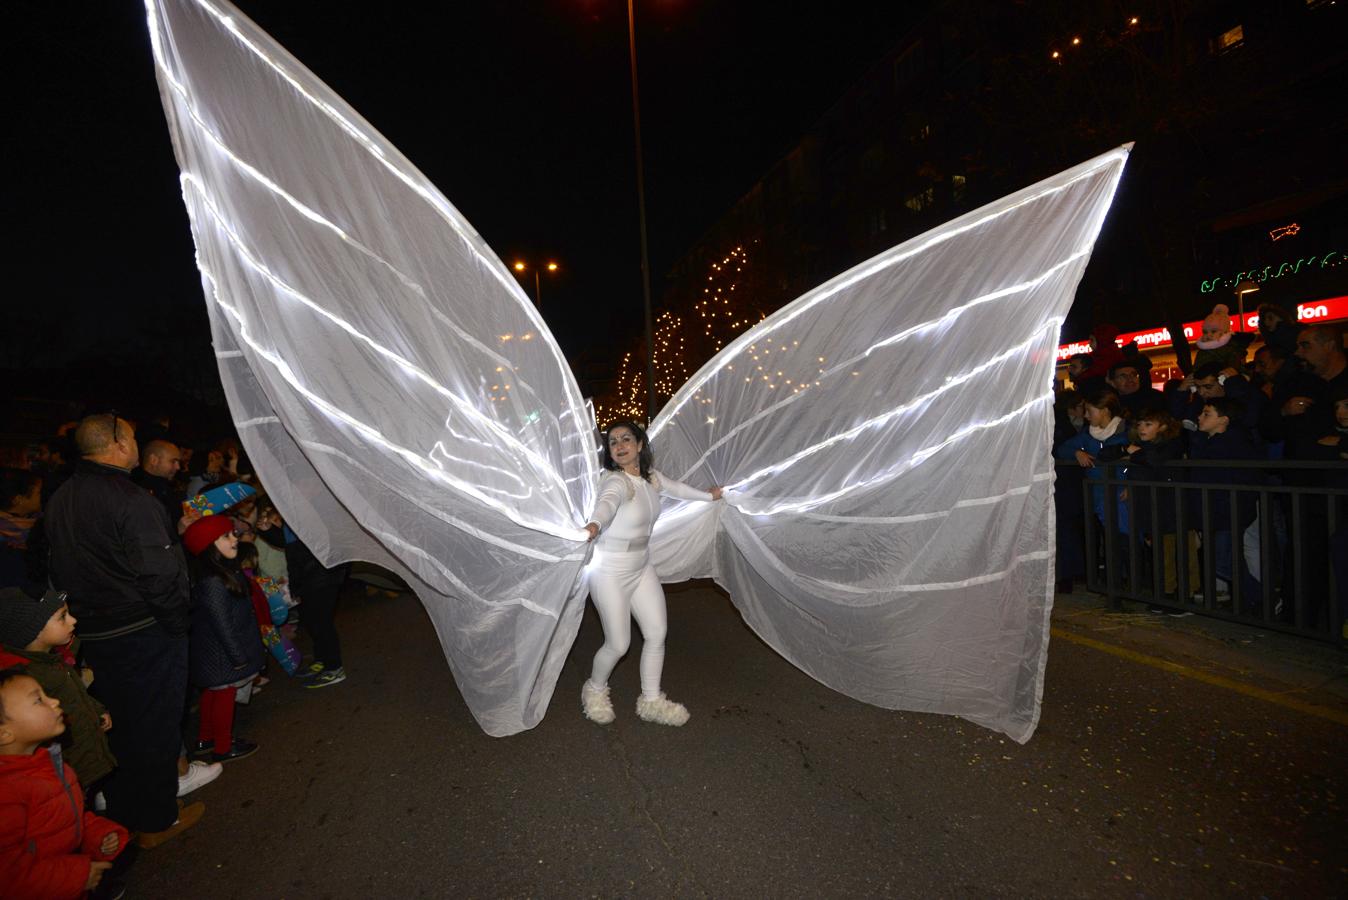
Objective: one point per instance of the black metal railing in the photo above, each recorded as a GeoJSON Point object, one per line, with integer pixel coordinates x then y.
{"type": "Point", "coordinates": [1281, 542]}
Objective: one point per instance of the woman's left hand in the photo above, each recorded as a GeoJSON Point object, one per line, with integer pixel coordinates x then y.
{"type": "Point", "coordinates": [716, 493]}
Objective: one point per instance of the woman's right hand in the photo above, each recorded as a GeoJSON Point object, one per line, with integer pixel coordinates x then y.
{"type": "Point", "coordinates": [1085, 460]}
{"type": "Point", "coordinates": [593, 529]}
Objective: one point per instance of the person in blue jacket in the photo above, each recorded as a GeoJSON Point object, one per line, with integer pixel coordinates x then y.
{"type": "Point", "coordinates": [1105, 427]}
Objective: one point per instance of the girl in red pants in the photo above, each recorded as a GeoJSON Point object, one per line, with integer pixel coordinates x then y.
{"type": "Point", "coordinates": [226, 648]}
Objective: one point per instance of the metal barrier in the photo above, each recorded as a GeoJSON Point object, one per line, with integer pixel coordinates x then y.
{"type": "Point", "coordinates": [1299, 534]}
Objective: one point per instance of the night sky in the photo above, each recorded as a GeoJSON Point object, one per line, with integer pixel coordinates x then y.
{"type": "Point", "coordinates": [519, 112]}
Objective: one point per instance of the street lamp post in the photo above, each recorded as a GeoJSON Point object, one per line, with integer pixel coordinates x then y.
{"type": "Point", "coordinates": [521, 266]}
{"type": "Point", "coordinates": [641, 212]}
{"type": "Point", "coordinates": [1245, 287]}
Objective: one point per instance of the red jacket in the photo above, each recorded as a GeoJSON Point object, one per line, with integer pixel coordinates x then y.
{"type": "Point", "coordinates": [47, 840]}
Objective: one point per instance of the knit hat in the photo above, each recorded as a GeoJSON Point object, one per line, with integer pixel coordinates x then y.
{"type": "Point", "coordinates": [23, 616]}
{"type": "Point", "coordinates": [204, 531]}
{"type": "Point", "coordinates": [1219, 320]}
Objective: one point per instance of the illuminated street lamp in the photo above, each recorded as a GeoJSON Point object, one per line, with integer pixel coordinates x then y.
{"type": "Point", "coordinates": [1245, 287]}
{"type": "Point", "coordinates": [641, 213]}
{"type": "Point", "coordinates": [521, 266]}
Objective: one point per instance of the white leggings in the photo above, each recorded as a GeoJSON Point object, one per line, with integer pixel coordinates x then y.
{"type": "Point", "coordinates": [623, 586]}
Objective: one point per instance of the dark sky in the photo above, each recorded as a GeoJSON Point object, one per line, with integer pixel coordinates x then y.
{"type": "Point", "coordinates": [519, 112]}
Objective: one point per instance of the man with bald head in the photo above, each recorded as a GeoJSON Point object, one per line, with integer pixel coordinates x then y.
{"type": "Point", "coordinates": [160, 461]}
{"type": "Point", "coordinates": [115, 554]}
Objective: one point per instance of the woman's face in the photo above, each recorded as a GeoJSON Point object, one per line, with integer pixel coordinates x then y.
{"type": "Point", "coordinates": [1097, 416]}
{"type": "Point", "coordinates": [228, 545]}
{"type": "Point", "coordinates": [215, 461]}
{"type": "Point", "coordinates": [1341, 413]}
{"type": "Point", "coordinates": [623, 446]}
{"type": "Point", "coordinates": [1078, 411]}
{"type": "Point", "coordinates": [1148, 430]}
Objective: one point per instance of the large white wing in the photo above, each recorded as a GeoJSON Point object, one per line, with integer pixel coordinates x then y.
{"type": "Point", "coordinates": [402, 400]}
{"type": "Point", "coordinates": [886, 437]}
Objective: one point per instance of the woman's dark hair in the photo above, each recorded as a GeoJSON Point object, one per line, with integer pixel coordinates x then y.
{"type": "Point", "coordinates": [646, 458]}
{"type": "Point", "coordinates": [1170, 428]}
{"type": "Point", "coordinates": [1106, 400]}
{"type": "Point", "coordinates": [211, 564]}
{"type": "Point", "coordinates": [247, 558]}
{"type": "Point", "coordinates": [1275, 309]}
{"type": "Point", "coordinates": [15, 483]}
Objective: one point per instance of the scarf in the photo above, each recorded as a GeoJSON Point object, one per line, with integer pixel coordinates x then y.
{"type": "Point", "coordinates": [1108, 431]}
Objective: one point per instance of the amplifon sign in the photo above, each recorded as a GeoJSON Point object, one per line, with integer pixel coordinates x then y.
{"type": "Point", "coordinates": [1157, 338]}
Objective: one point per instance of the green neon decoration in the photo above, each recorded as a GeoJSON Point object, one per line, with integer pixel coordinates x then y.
{"type": "Point", "coordinates": [1330, 260]}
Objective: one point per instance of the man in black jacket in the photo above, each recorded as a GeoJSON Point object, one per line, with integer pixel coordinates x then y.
{"type": "Point", "coordinates": [160, 461]}
{"type": "Point", "coordinates": [114, 552]}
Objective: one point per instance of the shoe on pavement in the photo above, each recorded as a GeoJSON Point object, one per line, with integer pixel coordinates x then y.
{"type": "Point", "coordinates": [187, 817]}
{"type": "Point", "coordinates": [327, 678]}
{"type": "Point", "coordinates": [596, 703]}
{"type": "Point", "coordinates": [198, 775]}
{"type": "Point", "coordinates": [238, 750]}
{"type": "Point", "coordinates": [661, 710]}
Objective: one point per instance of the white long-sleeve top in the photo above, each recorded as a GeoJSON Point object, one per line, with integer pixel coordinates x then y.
{"type": "Point", "coordinates": [628, 506]}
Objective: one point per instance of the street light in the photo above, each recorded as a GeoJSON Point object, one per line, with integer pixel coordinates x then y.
{"type": "Point", "coordinates": [641, 212]}
{"type": "Point", "coordinates": [1245, 287]}
{"type": "Point", "coordinates": [521, 266]}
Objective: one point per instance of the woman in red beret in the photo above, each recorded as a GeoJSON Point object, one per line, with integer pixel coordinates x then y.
{"type": "Point", "coordinates": [226, 646]}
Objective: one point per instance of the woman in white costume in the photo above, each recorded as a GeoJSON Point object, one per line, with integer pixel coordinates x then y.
{"type": "Point", "coordinates": [624, 585]}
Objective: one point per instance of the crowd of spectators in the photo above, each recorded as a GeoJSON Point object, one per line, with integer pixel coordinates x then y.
{"type": "Point", "coordinates": [142, 584]}
{"type": "Point", "coordinates": [1288, 401]}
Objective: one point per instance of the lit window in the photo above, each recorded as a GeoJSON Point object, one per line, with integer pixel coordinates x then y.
{"type": "Point", "coordinates": [921, 200]}
{"type": "Point", "coordinates": [1229, 39]}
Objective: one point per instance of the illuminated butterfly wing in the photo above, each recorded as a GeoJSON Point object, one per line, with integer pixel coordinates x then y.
{"type": "Point", "coordinates": [400, 397]}
{"type": "Point", "coordinates": [886, 437]}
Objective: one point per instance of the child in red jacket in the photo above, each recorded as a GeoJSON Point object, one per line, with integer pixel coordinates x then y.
{"type": "Point", "coordinates": [49, 846]}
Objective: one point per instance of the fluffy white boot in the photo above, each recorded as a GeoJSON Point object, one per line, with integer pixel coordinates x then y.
{"type": "Point", "coordinates": [661, 710]}
{"type": "Point", "coordinates": [594, 700]}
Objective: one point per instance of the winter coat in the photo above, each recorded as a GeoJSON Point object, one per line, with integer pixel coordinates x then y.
{"type": "Point", "coordinates": [1232, 444]}
{"type": "Point", "coordinates": [84, 744]}
{"type": "Point", "coordinates": [1231, 355]}
{"type": "Point", "coordinates": [1141, 400]}
{"type": "Point", "coordinates": [47, 839]}
{"type": "Point", "coordinates": [1284, 336]}
{"type": "Point", "coordinates": [115, 553]}
{"type": "Point", "coordinates": [1189, 404]}
{"type": "Point", "coordinates": [1148, 463]}
{"type": "Point", "coordinates": [226, 645]}
{"type": "Point", "coordinates": [1084, 440]}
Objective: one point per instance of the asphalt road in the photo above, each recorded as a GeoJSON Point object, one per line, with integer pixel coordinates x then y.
{"type": "Point", "coordinates": [1139, 782]}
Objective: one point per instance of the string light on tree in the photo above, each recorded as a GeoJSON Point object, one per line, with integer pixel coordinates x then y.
{"type": "Point", "coordinates": [684, 342]}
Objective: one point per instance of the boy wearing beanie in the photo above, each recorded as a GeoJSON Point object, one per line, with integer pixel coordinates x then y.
{"type": "Point", "coordinates": [32, 630]}
{"type": "Point", "coordinates": [49, 845]}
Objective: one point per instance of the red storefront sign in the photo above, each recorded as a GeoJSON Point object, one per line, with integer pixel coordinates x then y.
{"type": "Point", "coordinates": [1156, 338]}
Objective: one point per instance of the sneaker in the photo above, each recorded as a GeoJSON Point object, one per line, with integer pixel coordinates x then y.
{"type": "Point", "coordinates": [661, 710]}
{"type": "Point", "coordinates": [201, 748]}
{"type": "Point", "coordinates": [311, 671]}
{"type": "Point", "coordinates": [596, 703]}
{"type": "Point", "coordinates": [238, 750]}
{"type": "Point", "coordinates": [327, 678]}
{"type": "Point", "coordinates": [198, 774]}
{"type": "Point", "coordinates": [187, 817]}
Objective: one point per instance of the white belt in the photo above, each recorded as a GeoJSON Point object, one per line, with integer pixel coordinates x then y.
{"type": "Point", "coordinates": [617, 545]}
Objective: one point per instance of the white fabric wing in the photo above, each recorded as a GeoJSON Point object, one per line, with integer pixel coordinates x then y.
{"type": "Point", "coordinates": [399, 395]}
{"type": "Point", "coordinates": [886, 440]}
{"type": "Point", "coordinates": [885, 437]}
